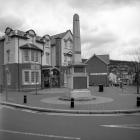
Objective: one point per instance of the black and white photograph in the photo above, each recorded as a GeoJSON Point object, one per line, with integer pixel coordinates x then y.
{"type": "Point", "coordinates": [69, 69]}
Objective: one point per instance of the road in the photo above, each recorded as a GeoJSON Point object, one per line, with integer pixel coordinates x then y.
{"type": "Point", "coordinates": [16, 124]}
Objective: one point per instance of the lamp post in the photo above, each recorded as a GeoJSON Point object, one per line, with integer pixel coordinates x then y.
{"type": "Point", "coordinates": [6, 86]}
{"type": "Point", "coordinates": [138, 78]}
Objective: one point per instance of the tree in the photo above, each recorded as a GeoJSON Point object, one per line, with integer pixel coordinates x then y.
{"type": "Point", "coordinates": [137, 69]}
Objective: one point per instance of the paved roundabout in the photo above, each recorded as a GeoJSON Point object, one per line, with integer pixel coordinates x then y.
{"type": "Point", "coordinates": [96, 100]}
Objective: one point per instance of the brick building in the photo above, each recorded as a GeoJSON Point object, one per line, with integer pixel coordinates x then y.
{"type": "Point", "coordinates": [97, 69]}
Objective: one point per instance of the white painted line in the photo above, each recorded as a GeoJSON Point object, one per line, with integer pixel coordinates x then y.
{"type": "Point", "coordinates": [37, 134]}
{"type": "Point", "coordinates": [29, 111]}
{"type": "Point", "coordinates": [126, 126]}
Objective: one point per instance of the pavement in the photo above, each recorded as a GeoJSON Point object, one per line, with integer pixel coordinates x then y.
{"type": "Point", "coordinates": [111, 100]}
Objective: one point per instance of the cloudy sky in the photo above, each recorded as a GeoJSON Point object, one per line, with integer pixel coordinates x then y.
{"type": "Point", "coordinates": [107, 26]}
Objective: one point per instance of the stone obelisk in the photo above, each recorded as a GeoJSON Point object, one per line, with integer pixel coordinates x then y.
{"type": "Point", "coordinates": [76, 40]}
{"type": "Point", "coordinates": [78, 78]}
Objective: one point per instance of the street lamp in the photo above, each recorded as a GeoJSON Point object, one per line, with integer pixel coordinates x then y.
{"type": "Point", "coordinates": [6, 86]}
{"type": "Point", "coordinates": [138, 78]}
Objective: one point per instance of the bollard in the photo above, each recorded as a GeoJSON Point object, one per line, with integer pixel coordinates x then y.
{"type": "Point", "coordinates": [25, 99]}
{"type": "Point", "coordinates": [138, 101]}
{"type": "Point", "coordinates": [72, 103]}
{"type": "Point", "coordinates": [101, 88]}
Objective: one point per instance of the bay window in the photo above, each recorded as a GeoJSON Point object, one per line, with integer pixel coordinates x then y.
{"type": "Point", "coordinates": [31, 56]}
{"type": "Point", "coordinates": [31, 77]}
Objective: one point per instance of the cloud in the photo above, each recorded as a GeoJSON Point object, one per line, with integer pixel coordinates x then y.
{"type": "Point", "coordinates": [97, 40]}
{"type": "Point", "coordinates": [10, 21]}
{"type": "Point", "coordinates": [98, 4]}
{"type": "Point", "coordinates": [107, 26]}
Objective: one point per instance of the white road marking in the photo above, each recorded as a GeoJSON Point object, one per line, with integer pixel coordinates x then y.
{"type": "Point", "coordinates": [127, 126]}
{"type": "Point", "coordinates": [29, 111]}
{"type": "Point", "coordinates": [37, 134]}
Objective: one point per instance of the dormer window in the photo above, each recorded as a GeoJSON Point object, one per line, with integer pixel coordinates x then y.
{"type": "Point", "coordinates": [47, 43]}
{"type": "Point", "coordinates": [31, 35]}
{"type": "Point", "coordinates": [8, 31]}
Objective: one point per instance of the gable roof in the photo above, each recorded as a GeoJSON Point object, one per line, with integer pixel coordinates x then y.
{"type": "Point", "coordinates": [61, 35]}
{"type": "Point", "coordinates": [103, 58]}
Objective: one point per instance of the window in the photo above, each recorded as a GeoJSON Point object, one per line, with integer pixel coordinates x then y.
{"type": "Point", "coordinates": [37, 77]}
{"type": "Point", "coordinates": [47, 43]}
{"type": "Point", "coordinates": [31, 77]}
{"type": "Point", "coordinates": [26, 55]}
{"type": "Point", "coordinates": [47, 58]}
{"type": "Point", "coordinates": [34, 77]}
{"type": "Point", "coordinates": [65, 44]}
{"type": "Point", "coordinates": [26, 76]}
{"type": "Point", "coordinates": [79, 69]}
{"type": "Point", "coordinates": [31, 55]}
{"type": "Point", "coordinates": [36, 56]}
{"type": "Point", "coordinates": [8, 55]}
{"type": "Point", "coordinates": [68, 44]}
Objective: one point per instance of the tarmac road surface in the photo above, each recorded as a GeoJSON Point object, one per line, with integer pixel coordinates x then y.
{"type": "Point", "coordinates": [16, 124]}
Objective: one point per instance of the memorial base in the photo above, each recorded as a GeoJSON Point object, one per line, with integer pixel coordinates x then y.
{"type": "Point", "coordinates": [80, 93]}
